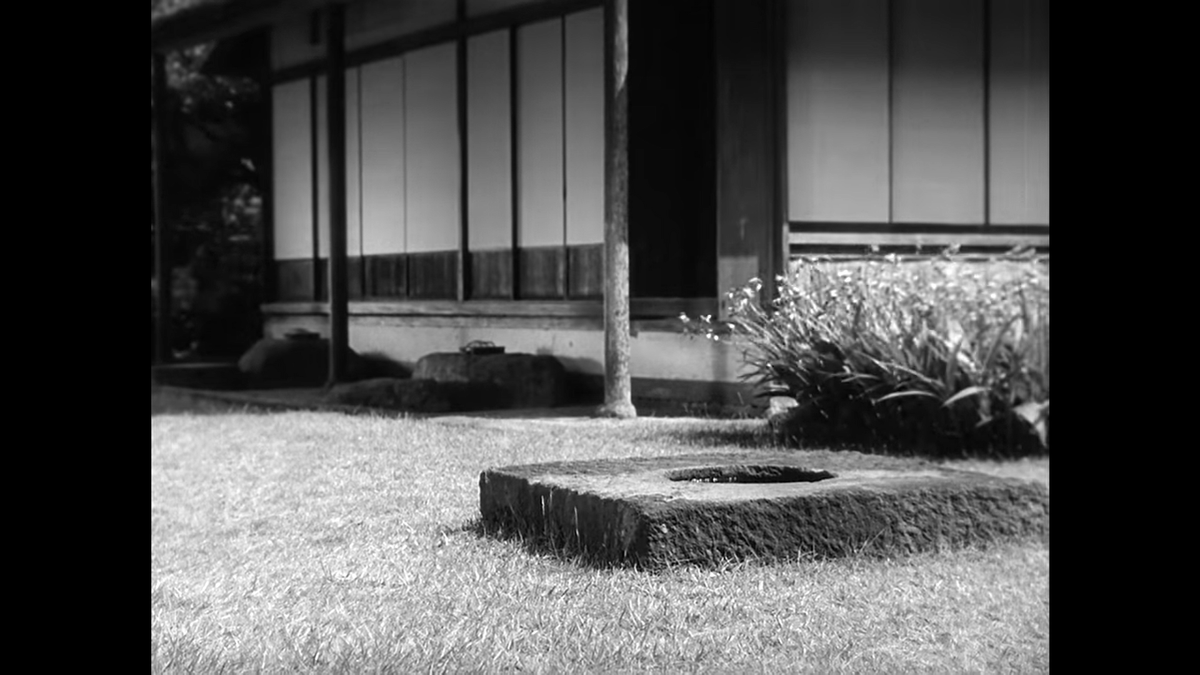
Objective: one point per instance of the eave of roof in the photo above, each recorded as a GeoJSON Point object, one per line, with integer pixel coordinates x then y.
{"type": "Point", "coordinates": [209, 20]}
{"type": "Point", "coordinates": [244, 55]}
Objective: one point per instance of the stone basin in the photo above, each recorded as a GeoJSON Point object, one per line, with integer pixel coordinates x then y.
{"type": "Point", "coordinates": [715, 508]}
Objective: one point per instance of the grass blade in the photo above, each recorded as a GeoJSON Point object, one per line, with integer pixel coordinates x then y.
{"type": "Point", "coordinates": [965, 393]}
{"type": "Point", "coordinates": [905, 394]}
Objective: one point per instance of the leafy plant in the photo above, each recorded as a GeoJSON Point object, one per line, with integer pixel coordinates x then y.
{"type": "Point", "coordinates": [215, 141]}
{"type": "Point", "coordinates": [947, 355]}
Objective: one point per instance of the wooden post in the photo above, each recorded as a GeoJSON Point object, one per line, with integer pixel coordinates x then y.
{"type": "Point", "coordinates": [162, 264]}
{"type": "Point", "coordinates": [618, 389]}
{"type": "Point", "coordinates": [335, 106]}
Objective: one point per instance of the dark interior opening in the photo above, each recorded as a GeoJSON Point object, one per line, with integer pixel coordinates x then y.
{"type": "Point", "coordinates": [749, 474]}
{"type": "Point", "coordinates": [672, 150]}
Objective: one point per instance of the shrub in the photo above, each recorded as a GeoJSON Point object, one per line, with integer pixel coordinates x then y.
{"type": "Point", "coordinates": [944, 356]}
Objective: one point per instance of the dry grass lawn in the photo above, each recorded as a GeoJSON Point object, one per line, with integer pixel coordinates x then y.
{"type": "Point", "coordinates": [319, 542]}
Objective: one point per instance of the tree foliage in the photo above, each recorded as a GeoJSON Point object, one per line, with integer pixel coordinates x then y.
{"type": "Point", "coordinates": [215, 140]}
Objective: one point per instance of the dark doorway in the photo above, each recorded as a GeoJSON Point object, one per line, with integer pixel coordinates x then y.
{"type": "Point", "coordinates": [672, 149]}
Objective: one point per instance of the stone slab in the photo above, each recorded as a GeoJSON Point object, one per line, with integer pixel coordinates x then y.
{"type": "Point", "coordinates": [303, 362]}
{"type": "Point", "coordinates": [392, 394]}
{"type": "Point", "coordinates": [631, 512]}
{"type": "Point", "coordinates": [526, 380]}
{"type": "Point", "coordinates": [419, 395]}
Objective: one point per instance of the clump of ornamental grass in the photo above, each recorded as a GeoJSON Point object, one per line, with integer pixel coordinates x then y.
{"type": "Point", "coordinates": [946, 356]}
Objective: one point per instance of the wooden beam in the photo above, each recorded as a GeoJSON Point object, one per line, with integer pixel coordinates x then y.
{"type": "Point", "coordinates": [208, 22]}
{"type": "Point", "coordinates": [646, 308]}
{"type": "Point", "coordinates": [922, 239]}
{"type": "Point", "coordinates": [162, 265]}
{"type": "Point", "coordinates": [618, 391]}
{"type": "Point", "coordinates": [509, 19]}
{"type": "Point", "coordinates": [335, 106]}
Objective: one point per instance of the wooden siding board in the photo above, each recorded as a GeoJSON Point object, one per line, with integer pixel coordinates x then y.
{"type": "Point", "coordinates": [385, 276]}
{"type": "Point", "coordinates": [491, 274]}
{"type": "Point", "coordinates": [541, 272]}
{"type": "Point", "coordinates": [433, 274]}
{"type": "Point", "coordinates": [585, 265]}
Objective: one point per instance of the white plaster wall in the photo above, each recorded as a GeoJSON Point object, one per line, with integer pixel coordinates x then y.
{"type": "Point", "coordinates": [654, 354]}
{"type": "Point", "coordinates": [840, 134]}
{"type": "Point", "coordinates": [837, 92]}
{"type": "Point", "coordinates": [402, 139]}
{"type": "Point", "coordinates": [540, 134]}
{"type": "Point", "coordinates": [489, 142]}
{"type": "Point", "coordinates": [382, 155]}
{"type": "Point", "coordinates": [292, 171]}
{"type": "Point", "coordinates": [431, 150]}
{"type": "Point", "coordinates": [937, 112]}
{"type": "Point", "coordinates": [322, 151]}
{"type": "Point", "coordinates": [353, 166]}
{"type": "Point", "coordinates": [585, 127]}
{"type": "Point", "coordinates": [1020, 112]}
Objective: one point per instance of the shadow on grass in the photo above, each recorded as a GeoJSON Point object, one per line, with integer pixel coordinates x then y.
{"type": "Point", "coordinates": [562, 552]}
{"type": "Point", "coordinates": [743, 437]}
{"type": "Point", "coordinates": [759, 435]}
{"type": "Point", "coordinates": [374, 364]}
{"type": "Point", "coordinates": [937, 448]}
{"type": "Point", "coordinates": [204, 402]}
{"type": "Point", "coordinates": [544, 546]}
{"type": "Point", "coordinates": [162, 403]}
{"type": "Point", "coordinates": [1004, 440]}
